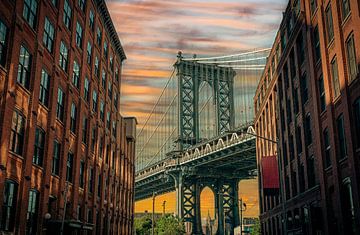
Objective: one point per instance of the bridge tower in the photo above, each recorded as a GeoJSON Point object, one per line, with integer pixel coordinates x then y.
{"type": "Point", "coordinates": [191, 74]}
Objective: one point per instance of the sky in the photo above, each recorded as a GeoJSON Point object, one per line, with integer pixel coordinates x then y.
{"type": "Point", "coordinates": [153, 31]}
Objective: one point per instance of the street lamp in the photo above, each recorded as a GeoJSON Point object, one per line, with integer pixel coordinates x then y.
{"type": "Point", "coordinates": [153, 214]}
{"type": "Point", "coordinates": [241, 211]}
{"type": "Point", "coordinates": [163, 205]}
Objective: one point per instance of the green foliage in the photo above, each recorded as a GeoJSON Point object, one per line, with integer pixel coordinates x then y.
{"type": "Point", "coordinates": [169, 225]}
{"type": "Point", "coordinates": [256, 228]}
{"type": "Point", "coordinates": [166, 225]}
{"type": "Point", "coordinates": [142, 225]}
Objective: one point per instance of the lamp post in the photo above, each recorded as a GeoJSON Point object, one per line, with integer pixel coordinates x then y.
{"type": "Point", "coordinates": [252, 132]}
{"type": "Point", "coordinates": [163, 205]}
{"type": "Point", "coordinates": [241, 211]}
{"type": "Point", "coordinates": [153, 214]}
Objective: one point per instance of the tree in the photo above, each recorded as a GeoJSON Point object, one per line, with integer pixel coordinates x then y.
{"type": "Point", "coordinates": [143, 225]}
{"type": "Point", "coordinates": [255, 230]}
{"type": "Point", "coordinates": [169, 225]}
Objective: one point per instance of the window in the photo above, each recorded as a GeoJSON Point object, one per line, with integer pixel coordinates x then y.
{"type": "Point", "coordinates": [110, 89]}
{"type": "Point", "coordinates": [91, 20]}
{"type": "Point", "coordinates": [24, 69]}
{"type": "Point", "coordinates": [293, 184]}
{"type": "Point", "coordinates": [63, 62]}
{"type": "Point", "coordinates": [48, 38]}
{"type": "Point", "coordinates": [311, 171]}
{"type": "Point", "coordinates": [94, 104]}
{"type": "Point", "coordinates": [102, 115]}
{"type": "Point", "coordinates": [111, 63]}
{"type": "Point", "coordinates": [82, 4]}
{"type": "Point", "coordinates": [39, 147]}
{"type": "Point", "coordinates": [106, 52]}
{"type": "Point", "coordinates": [345, 9]}
{"type": "Point", "coordinates": [97, 71]}
{"type": "Point", "coordinates": [88, 58]}
{"type": "Point", "coordinates": [322, 94]}
{"type": "Point", "coordinates": [56, 158]}
{"type": "Point", "coordinates": [60, 105]}
{"type": "Point", "coordinates": [91, 179]}
{"type": "Point", "coordinates": [298, 140]}
{"type": "Point", "coordinates": [44, 88]}
{"type": "Point", "coordinates": [17, 133]}
{"type": "Point", "coordinates": [108, 123]}
{"type": "Point", "coordinates": [67, 14]}
{"type": "Point", "coordinates": [98, 36]}
{"type": "Point", "coordinates": [114, 128]}
{"type": "Point", "coordinates": [84, 130]}
{"type": "Point", "coordinates": [117, 74]}
{"type": "Point", "coordinates": [86, 89]}
{"type": "Point", "coordinates": [313, 6]}
{"type": "Point", "coordinates": [351, 58]}
{"type": "Point", "coordinates": [348, 208]}
{"type": "Point", "coordinates": [76, 74]}
{"type": "Point", "coordinates": [283, 45]}
{"type": "Point", "coordinates": [356, 108]}
{"type": "Point", "coordinates": [327, 148]}
{"type": "Point", "coordinates": [9, 206]}
{"type": "Point", "coordinates": [103, 79]}
{"type": "Point", "coordinates": [32, 212]}
{"type": "Point", "coordinates": [316, 44]}
{"type": "Point", "coordinates": [304, 88]}
{"type": "Point", "coordinates": [301, 48]}
{"type": "Point", "coordinates": [296, 101]}
{"type": "Point", "coordinates": [329, 24]}
{"type": "Point", "coordinates": [335, 78]}
{"type": "Point", "coordinates": [79, 34]}
{"type": "Point", "coordinates": [116, 101]}
{"type": "Point", "coordinates": [82, 175]}
{"type": "Point", "coordinates": [69, 167]}
{"type": "Point", "coordinates": [93, 139]}
{"type": "Point", "coordinates": [78, 212]}
{"type": "Point", "coordinates": [307, 126]}
{"type": "Point", "coordinates": [341, 136]}
{"type": "Point", "coordinates": [29, 12]}
{"type": "Point", "coordinates": [73, 118]}
{"type": "Point", "coordinates": [3, 42]}
{"type": "Point", "coordinates": [90, 216]}
{"type": "Point", "coordinates": [101, 147]}
{"type": "Point", "coordinates": [54, 2]}
{"type": "Point", "coordinates": [99, 185]}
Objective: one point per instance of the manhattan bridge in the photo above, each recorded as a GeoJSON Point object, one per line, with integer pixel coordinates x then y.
{"type": "Point", "coordinates": [199, 134]}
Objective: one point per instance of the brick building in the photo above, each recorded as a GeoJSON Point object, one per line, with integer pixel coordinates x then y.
{"type": "Point", "coordinates": [314, 71]}
{"type": "Point", "coordinates": [64, 145]}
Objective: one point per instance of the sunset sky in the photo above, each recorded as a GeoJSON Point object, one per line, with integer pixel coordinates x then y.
{"type": "Point", "coordinates": [153, 31]}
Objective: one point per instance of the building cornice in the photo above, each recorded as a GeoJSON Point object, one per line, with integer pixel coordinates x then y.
{"type": "Point", "coordinates": [105, 15]}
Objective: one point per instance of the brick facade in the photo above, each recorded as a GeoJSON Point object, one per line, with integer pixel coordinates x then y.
{"type": "Point", "coordinates": [96, 154]}
{"type": "Point", "coordinates": [316, 79]}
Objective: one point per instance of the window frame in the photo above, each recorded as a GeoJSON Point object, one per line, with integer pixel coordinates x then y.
{"type": "Point", "coordinates": [17, 133]}
{"type": "Point", "coordinates": [67, 12]}
{"type": "Point", "coordinates": [24, 67]}
{"type": "Point", "coordinates": [29, 13]}
{"type": "Point", "coordinates": [44, 88]}
{"type": "Point", "coordinates": [39, 146]}
{"type": "Point", "coordinates": [49, 35]}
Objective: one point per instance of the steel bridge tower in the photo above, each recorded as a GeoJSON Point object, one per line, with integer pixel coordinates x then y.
{"type": "Point", "coordinates": [190, 75]}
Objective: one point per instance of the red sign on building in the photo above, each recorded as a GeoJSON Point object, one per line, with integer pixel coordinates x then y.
{"type": "Point", "coordinates": [270, 173]}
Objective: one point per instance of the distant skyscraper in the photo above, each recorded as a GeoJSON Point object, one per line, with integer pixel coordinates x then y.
{"type": "Point", "coordinates": [312, 76]}
{"type": "Point", "coordinates": [64, 144]}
